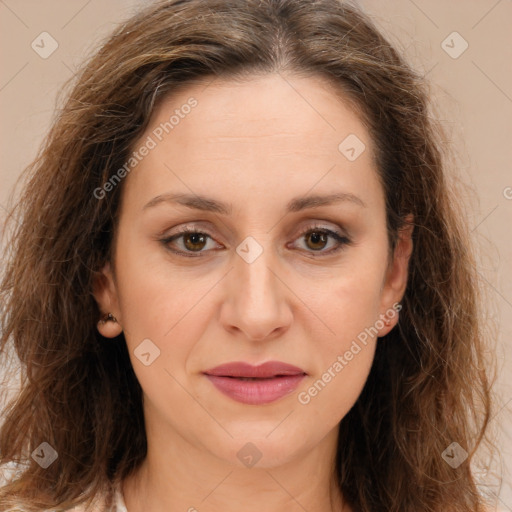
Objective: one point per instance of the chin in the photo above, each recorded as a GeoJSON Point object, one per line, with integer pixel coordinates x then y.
{"type": "Point", "coordinates": [260, 450]}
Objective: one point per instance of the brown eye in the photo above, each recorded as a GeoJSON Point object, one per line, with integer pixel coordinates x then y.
{"type": "Point", "coordinates": [194, 241]}
{"type": "Point", "coordinates": [318, 240]}
{"type": "Point", "coordinates": [191, 242]}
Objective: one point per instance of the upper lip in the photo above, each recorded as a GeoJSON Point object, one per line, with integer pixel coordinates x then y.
{"type": "Point", "coordinates": [265, 370]}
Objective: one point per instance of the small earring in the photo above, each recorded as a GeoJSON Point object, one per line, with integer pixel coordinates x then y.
{"type": "Point", "coordinates": [109, 317]}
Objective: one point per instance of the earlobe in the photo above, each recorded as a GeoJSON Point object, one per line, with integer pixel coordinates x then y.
{"type": "Point", "coordinates": [105, 293]}
{"type": "Point", "coordinates": [109, 327]}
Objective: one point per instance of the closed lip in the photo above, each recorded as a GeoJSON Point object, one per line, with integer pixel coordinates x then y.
{"type": "Point", "coordinates": [263, 371]}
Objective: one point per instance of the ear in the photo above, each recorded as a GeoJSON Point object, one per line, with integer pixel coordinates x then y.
{"type": "Point", "coordinates": [395, 282]}
{"type": "Point", "coordinates": [105, 293]}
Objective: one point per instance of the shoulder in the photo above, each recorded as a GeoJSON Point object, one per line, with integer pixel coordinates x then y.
{"type": "Point", "coordinates": [100, 503]}
{"type": "Point", "coordinates": [10, 471]}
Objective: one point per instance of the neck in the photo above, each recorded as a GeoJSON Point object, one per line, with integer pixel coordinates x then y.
{"type": "Point", "coordinates": [182, 477]}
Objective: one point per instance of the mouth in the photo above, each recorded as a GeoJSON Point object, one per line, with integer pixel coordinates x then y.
{"type": "Point", "coordinates": [256, 385]}
{"type": "Point", "coordinates": [268, 370]}
{"type": "Point", "coordinates": [254, 378]}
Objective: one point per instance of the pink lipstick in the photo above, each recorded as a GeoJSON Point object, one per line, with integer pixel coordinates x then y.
{"type": "Point", "coordinates": [256, 385]}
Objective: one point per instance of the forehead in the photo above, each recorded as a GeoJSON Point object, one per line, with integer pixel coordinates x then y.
{"type": "Point", "coordinates": [266, 130]}
{"type": "Point", "coordinates": [270, 108]}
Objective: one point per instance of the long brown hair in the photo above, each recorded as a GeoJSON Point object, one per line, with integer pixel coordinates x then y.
{"type": "Point", "coordinates": [428, 386]}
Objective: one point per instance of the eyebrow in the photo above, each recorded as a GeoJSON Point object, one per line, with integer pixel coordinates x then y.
{"type": "Point", "coordinates": [198, 202]}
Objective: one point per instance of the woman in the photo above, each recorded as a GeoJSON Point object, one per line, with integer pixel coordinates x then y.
{"type": "Point", "coordinates": [240, 276]}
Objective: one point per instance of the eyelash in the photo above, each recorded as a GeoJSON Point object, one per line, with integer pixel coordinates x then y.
{"type": "Point", "coordinates": [341, 240]}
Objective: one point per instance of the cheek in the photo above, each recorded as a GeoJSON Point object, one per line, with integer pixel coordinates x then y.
{"type": "Point", "coordinates": [344, 352]}
{"type": "Point", "coordinates": [328, 397]}
{"type": "Point", "coordinates": [345, 346]}
{"type": "Point", "coordinates": [163, 316]}
{"type": "Point", "coordinates": [155, 297]}
{"type": "Point", "coordinates": [167, 311]}
{"type": "Point", "coordinates": [170, 307]}
{"type": "Point", "coordinates": [348, 302]}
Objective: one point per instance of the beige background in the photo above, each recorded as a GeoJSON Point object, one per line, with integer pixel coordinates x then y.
{"type": "Point", "coordinates": [473, 94]}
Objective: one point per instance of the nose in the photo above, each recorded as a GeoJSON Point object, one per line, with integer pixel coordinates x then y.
{"type": "Point", "coordinates": [257, 301]}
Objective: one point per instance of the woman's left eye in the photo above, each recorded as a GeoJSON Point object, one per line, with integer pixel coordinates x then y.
{"type": "Point", "coordinates": [320, 236]}
{"type": "Point", "coordinates": [193, 242]}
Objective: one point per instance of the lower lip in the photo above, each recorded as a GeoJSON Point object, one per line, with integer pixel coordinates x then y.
{"type": "Point", "coordinates": [256, 392]}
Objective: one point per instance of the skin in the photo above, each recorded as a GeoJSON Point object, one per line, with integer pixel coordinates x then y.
{"type": "Point", "coordinates": [255, 144]}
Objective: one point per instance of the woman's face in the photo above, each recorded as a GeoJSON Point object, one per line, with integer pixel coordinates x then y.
{"type": "Point", "coordinates": [253, 167]}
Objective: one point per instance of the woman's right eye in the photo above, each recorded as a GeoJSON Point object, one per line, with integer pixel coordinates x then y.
{"type": "Point", "coordinates": [192, 242]}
